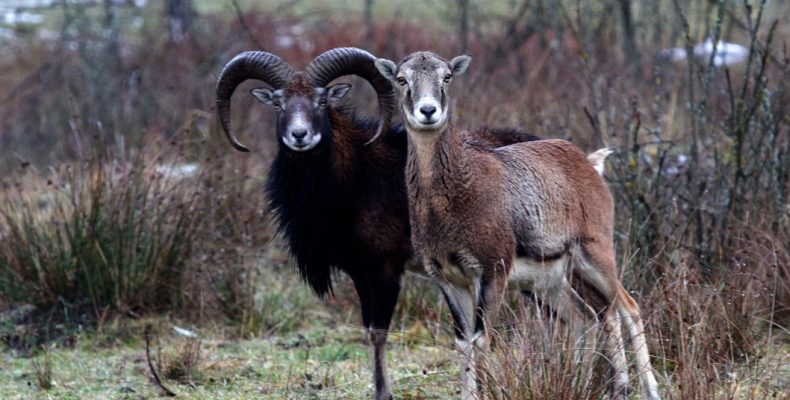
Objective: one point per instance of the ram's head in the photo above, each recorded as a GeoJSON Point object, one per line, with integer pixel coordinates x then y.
{"type": "Point", "coordinates": [302, 98]}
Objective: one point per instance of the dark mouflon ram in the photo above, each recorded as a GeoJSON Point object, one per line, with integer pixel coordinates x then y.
{"type": "Point", "coordinates": [338, 196]}
{"type": "Point", "coordinates": [530, 216]}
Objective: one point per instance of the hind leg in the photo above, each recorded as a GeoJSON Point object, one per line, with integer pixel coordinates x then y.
{"type": "Point", "coordinates": [615, 353]}
{"type": "Point", "coordinates": [574, 313]}
{"type": "Point", "coordinates": [598, 270]}
{"type": "Point", "coordinates": [629, 312]}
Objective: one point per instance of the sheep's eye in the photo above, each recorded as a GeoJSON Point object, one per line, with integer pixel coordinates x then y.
{"type": "Point", "coordinates": [402, 81]}
{"type": "Point", "coordinates": [322, 102]}
{"type": "Point", "coordinates": [447, 78]}
{"type": "Point", "coordinates": [277, 105]}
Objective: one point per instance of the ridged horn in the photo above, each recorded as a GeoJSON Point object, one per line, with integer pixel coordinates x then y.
{"type": "Point", "coordinates": [342, 61]}
{"type": "Point", "coordinates": [260, 65]}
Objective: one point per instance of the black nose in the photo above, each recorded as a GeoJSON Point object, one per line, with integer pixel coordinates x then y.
{"type": "Point", "coordinates": [428, 110]}
{"type": "Point", "coordinates": [299, 134]}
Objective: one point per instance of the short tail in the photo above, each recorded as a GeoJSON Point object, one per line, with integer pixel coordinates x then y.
{"type": "Point", "coordinates": [598, 157]}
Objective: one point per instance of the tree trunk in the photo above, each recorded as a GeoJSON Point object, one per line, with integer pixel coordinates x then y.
{"type": "Point", "coordinates": [629, 46]}
{"type": "Point", "coordinates": [463, 26]}
{"type": "Point", "coordinates": [179, 14]}
{"type": "Point", "coordinates": [369, 25]}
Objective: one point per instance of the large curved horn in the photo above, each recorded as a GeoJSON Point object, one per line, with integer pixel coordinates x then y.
{"type": "Point", "coordinates": [260, 65]}
{"type": "Point", "coordinates": [350, 60]}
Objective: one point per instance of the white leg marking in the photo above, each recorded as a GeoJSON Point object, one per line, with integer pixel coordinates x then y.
{"type": "Point", "coordinates": [378, 342]}
{"type": "Point", "coordinates": [615, 350]}
{"type": "Point", "coordinates": [647, 381]}
{"type": "Point", "coordinates": [463, 298]}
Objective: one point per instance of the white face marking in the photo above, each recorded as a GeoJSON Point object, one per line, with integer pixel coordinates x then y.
{"type": "Point", "coordinates": [439, 76]}
{"type": "Point", "coordinates": [429, 102]}
{"type": "Point", "coordinates": [299, 121]}
{"type": "Point", "coordinates": [298, 125]}
{"type": "Point", "coordinates": [427, 112]}
{"type": "Point", "coordinates": [433, 118]}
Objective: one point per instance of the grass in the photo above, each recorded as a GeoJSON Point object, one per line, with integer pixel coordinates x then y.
{"type": "Point", "coordinates": [323, 356]}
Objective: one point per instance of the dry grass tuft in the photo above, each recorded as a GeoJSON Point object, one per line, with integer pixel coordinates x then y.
{"type": "Point", "coordinates": [43, 370]}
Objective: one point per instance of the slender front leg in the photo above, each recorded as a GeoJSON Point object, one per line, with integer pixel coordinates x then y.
{"type": "Point", "coordinates": [471, 306]}
{"type": "Point", "coordinates": [385, 297]}
{"type": "Point", "coordinates": [461, 301]}
{"type": "Point", "coordinates": [491, 289]}
{"type": "Point", "coordinates": [378, 344]}
{"type": "Point", "coordinates": [490, 294]}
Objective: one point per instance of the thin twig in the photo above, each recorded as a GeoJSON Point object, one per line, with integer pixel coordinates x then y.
{"type": "Point", "coordinates": [243, 23]}
{"type": "Point", "coordinates": [158, 382]}
{"type": "Point", "coordinates": [31, 80]}
{"type": "Point", "coordinates": [594, 124]}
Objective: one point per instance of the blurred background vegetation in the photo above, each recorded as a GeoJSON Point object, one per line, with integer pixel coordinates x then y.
{"type": "Point", "coordinates": [119, 197]}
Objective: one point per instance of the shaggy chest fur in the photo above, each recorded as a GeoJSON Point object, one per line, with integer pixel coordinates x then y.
{"type": "Point", "coordinates": [451, 209]}
{"type": "Point", "coordinates": [343, 207]}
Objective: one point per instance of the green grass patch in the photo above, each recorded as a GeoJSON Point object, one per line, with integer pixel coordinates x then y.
{"type": "Point", "coordinates": [321, 362]}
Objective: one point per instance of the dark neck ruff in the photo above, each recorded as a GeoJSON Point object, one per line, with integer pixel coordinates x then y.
{"type": "Point", "coordinates": [309, 203]}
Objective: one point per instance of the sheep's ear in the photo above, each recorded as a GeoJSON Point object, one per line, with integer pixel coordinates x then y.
{"type": "Point", "coordinates": [386, 68]}
{"type": "Point", "coordinates": [263, 95]}
{"type": "Point", "coordinates": [336, 92]}
{"type": "Point", "coordinates": [458, 65]}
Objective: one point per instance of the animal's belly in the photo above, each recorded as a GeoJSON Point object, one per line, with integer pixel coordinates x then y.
{"type": "Point", "coordinates": [529, 274]}
{"type": "Point", "coordinates": [526, 274]}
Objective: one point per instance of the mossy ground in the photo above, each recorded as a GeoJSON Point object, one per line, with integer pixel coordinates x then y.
{"type": "Point", "coordinates": [322, 354]}
{"type": "Point", "coordinates": [318, 363]}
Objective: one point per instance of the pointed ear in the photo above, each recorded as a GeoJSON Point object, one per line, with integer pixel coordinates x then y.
{"type": "Point", "coordinates": [386, 68]}
{"type": "Point", "coordinates": [263, 95]}
{"type": "Point", "coordinates": [458, 65]}
{"type": "Point", "coordinates": [336, 92]}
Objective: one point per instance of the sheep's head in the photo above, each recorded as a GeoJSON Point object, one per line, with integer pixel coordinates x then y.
{"type": "Point", "coordinates": [422, 80]}
{"type": "Point", "coordinates": [302, 114]}
{"type": "Point", "coordinates": [301, 99]}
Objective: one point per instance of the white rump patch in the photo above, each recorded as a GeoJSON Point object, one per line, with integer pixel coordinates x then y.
{"type": "Point", "coordinates": [598, 158]}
